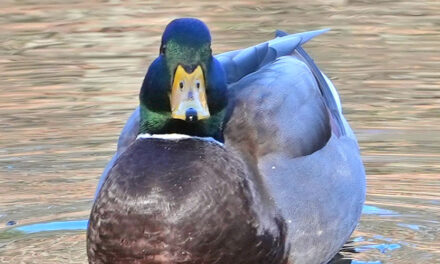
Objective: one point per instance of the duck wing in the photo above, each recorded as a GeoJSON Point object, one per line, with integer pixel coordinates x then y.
{"type": "Point", "coordinates": [328, 90]}
{"type": "Point", "coordinates": [287, 132]}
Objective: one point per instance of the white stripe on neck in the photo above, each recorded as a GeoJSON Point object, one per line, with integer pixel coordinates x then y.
{"type": "Point", "coordinates": [177, 137]}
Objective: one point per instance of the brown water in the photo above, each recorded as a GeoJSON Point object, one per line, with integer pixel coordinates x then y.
{"type": "Point", "coordinates": [70, 74]}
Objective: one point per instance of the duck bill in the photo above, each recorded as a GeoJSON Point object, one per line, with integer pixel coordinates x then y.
{"type": "Point", "coordinates": [188, 95]}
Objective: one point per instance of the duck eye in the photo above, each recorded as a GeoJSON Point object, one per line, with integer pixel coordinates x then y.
{"type": "Point", "coordinates": [198, 84]}
{"type": "Point", "coordinates": [181, 85]}
{"type": "Point", "coordinates": [162, 49]}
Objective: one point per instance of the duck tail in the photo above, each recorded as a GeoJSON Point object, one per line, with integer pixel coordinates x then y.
{"type": "Point", "coordinates": [240, 63]}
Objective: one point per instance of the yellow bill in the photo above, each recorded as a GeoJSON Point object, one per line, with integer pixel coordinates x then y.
{"type": "Point", "coordinates": [188, 95]}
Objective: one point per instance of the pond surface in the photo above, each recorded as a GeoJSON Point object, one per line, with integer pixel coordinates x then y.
{"type": "Point", "coordinates": [70, 75]}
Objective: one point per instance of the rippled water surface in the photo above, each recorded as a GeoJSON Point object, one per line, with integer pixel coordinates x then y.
{"type": "Point", "coordinates": [70, 74]}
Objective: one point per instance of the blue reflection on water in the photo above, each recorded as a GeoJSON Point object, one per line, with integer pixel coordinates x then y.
{"type": "Point", "coordinates": [54, 226]}
{"type": "Point", "coordinates": [369, 209]}
{"type": "Point", "coordinates": [410, 226]}
{"type": "Point", "coordinates": [381, 247]}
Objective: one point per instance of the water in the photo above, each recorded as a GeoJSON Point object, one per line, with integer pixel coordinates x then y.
{"type": "Point", "coordinates": [70, 74]}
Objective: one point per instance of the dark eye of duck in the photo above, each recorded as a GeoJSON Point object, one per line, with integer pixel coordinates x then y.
{"type": "Point", "coordinates": [162, 49]}
{"type": "Point", "coordinates": [198, 84]}
{"type": "Point", "coordinates": [181, 85]}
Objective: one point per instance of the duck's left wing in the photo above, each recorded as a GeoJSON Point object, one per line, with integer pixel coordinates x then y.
{"type": "Point", "coordinates": [278, 108]}
{"type": "Point", "coordinates": [330, 95]}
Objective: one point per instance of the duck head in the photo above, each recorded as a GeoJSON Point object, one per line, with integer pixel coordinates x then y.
{"type": "Point", "coordinates": [184, 90]}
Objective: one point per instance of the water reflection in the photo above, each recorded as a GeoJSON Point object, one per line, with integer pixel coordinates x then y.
{"type": "Point", "coordinates": [71, 73]}
{"type": "Point", "coordinates": [54, 226]}
{"type": "Point", "coordinates": [369, 209]}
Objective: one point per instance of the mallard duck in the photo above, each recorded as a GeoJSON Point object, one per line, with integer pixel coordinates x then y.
{"type": "Point", "coordinates": [244, 157]}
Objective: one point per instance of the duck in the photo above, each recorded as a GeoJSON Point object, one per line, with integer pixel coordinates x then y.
{"type": "Point", "coordinates": [243, 157]}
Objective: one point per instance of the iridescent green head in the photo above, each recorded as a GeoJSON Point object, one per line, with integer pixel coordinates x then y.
{"type": "Point", "coordinates": [185, 88]}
